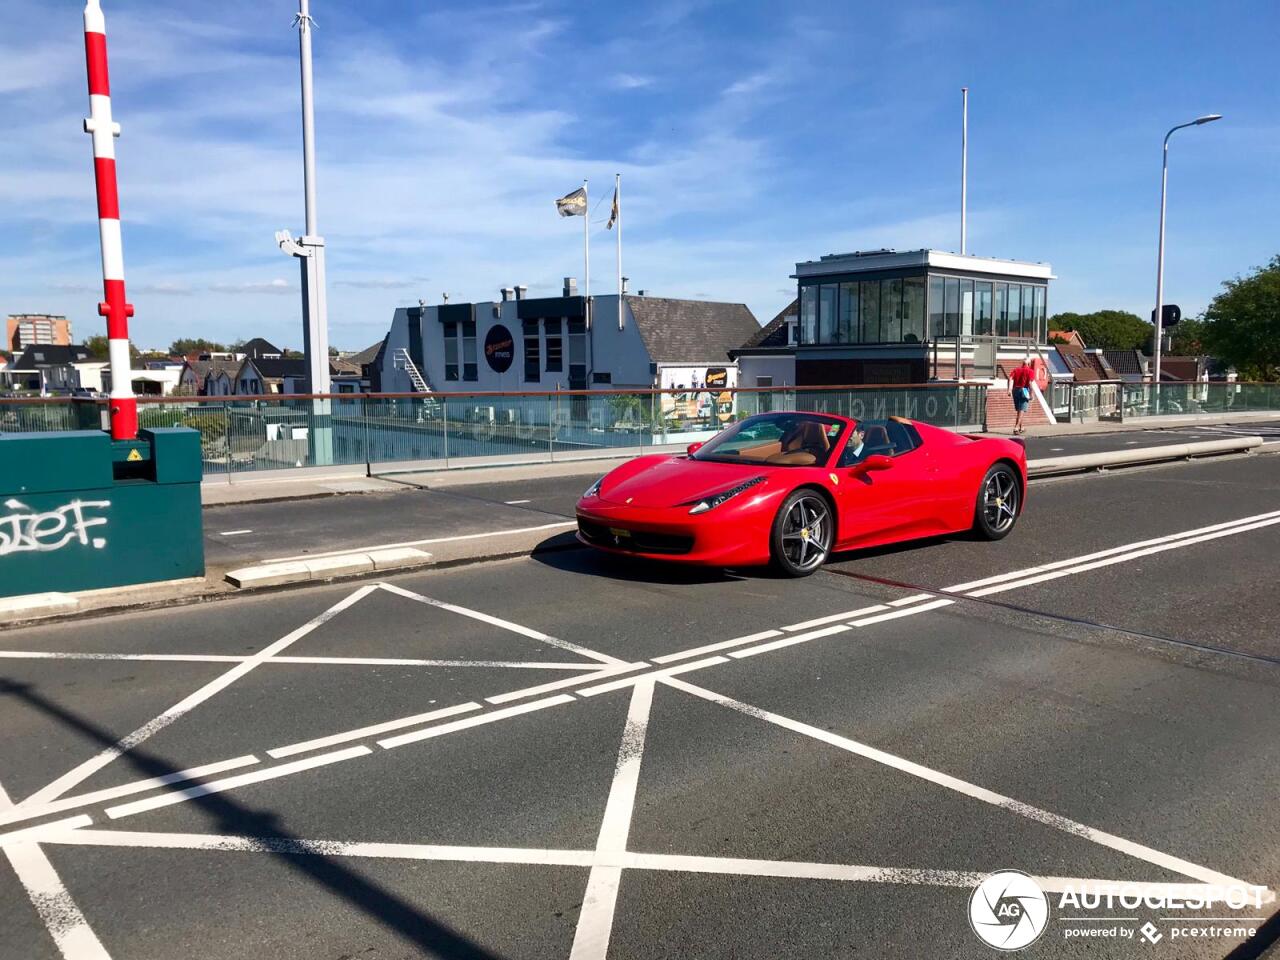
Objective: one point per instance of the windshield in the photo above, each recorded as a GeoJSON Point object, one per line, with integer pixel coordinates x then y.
{"type": "Point", "coordinates": [779, 439]}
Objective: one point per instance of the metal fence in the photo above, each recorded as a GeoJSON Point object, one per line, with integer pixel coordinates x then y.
{"type": "Point", "coordinates": [1088, 402]}
{"type": "Point", "coordinates": [429, 431]}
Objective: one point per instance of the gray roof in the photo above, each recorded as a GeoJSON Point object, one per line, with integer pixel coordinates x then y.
{"type": "Point", "coordinates": [774, 333]}
{"type": "Point", "coordinates": [368, 354]}
{"type": "Point", "coordinates": [691, 331]}
{"type": "Point", "coordinates": [1124, 361]}
{"type": "Point", "coordinates": [51, 355]}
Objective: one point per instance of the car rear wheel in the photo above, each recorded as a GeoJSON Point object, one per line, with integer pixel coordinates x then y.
{"type": "Point", "coordinates": [999, 499]}
{"type": "Point", "coordinates": [802, 533]}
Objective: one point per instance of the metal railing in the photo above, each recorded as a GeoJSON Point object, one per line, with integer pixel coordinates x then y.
{"type": "Point", "coordinates": [1112, 400]}
{"type": "Point", "coordinates": [390, 432]}
{"type": "Point", "coordinates": [978, 355]}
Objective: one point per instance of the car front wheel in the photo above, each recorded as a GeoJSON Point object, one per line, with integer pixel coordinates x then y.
{"type": "Point", "coordinates": [802, 533]}
{"type": "Point", "coordinates": [999, 499]}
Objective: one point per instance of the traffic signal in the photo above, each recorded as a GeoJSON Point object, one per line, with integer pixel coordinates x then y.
{"type": "Point", "coordinates": [1170, 316]}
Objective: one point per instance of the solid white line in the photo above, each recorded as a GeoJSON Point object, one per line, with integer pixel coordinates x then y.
{"type": "Point", "coordinates": [653, 675]}
{"type": "Point", "coordinates": [713, 647]}
{"type": "Point", "coordinates": [914, 598]}
{"type": "Point", "coordinates": [91, 766]}
{"type": "Point", "coordinates": [137, 786]}
{"type": "Point", "coordinates": [234, 533]}
{"type": "Point", "coordinates": [561, 684]}
{"type": "Point", "coordinates": [833, 618]}
{"type": "Point", "coordinates": [512, 503]}
{"type": "Point", "coordinates": [71, 932]}
{"type": "Point", "coordinates": [896, 614]}
{"type": "Point", "coordinates": [1119, 558]}
{"type": "Point", "coordinates": [36, 833]}
{"type": "Point", "coordinates": [1072, 561]}
{"type": "Point", "coordinates": [361, 732]}
{"type": "Point", "coordinates": [392, 742]}
{"type": "Point", "coordinates": [504, 624]}
{"type": "Point", "coordinates": [231, 783]}
{"type": "Point", "coordinates": [1141, 852]}
{"type": "Point", "coordinates": [419, 543]}
{"type": "Point", "coordinates": [323, 848]}
{"type": "Point", "coordinates": [325, 661]}
{"type": "Point", "coordinates": [595, 920]}
{"type": "Point", "coordinates": [789, 641]}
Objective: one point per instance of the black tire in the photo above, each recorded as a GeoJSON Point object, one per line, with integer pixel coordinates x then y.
{"type": "Point", "coordinates": [802, 533]}
{"type": "Point", "coordinates": [998, 502]}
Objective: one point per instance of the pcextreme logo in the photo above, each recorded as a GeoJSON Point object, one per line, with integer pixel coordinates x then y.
{"type": "Point", "coordinates": [1008, 910]}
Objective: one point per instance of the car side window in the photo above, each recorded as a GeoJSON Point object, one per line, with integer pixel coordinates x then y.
{"type": "Point", "coordinates": [887, 438]}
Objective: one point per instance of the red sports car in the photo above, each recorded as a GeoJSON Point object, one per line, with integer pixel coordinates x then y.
{"type": "Point", "coordinates": [790, 488]}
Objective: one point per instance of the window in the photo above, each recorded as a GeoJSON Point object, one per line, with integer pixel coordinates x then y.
{"type": "Point", "coordinates": [808, 314]}
{"type": "Point", "coordinates": [888, 438]}
{"type": "Point", "coordinates": [1039, 293]}
{"type": "Point", "coordinates": [951, 306]}
{"type": "Point", "coordinates": [555, 348]}
{"type": "Point", "coordinates": [913, 329]}
{"type": "Point", "coordinates": [1015, 310]}
{"type": "Point", "coordinates": [891, 311]}
{"type": "Point", "coordinates": [966, 306]}
{"type": "Point", "coordinates": [764, 381]}
{"type": "Point", "coordinates": [605, 377]}
{"type": "Point", "coordinates": [780, 439]}
{"type": "Point", "coordinates": [828, 295]}
{"type": "Point", "coordinates": [469, 370]}
{"type": "Point", "coordinates": [792, 332]}
{"type": "Point", "coordinates": [869, 308]}
{"type": "Point", "coordinates": [577, 354]}
{"type": "Point", "coordinates": [982, 309]}
{"type": "Point", "coordinates": [450, 351]}
{"type": "Point", "coordinates": [935, 307]}
{"type": "Point", "coordinates": [847, 332]}
{"type": "Point", "coordinates": [1002, 310]}
{"type": "Point", "coordinates": [532, 366]}
{"type": "Point", "coordinates": [1028, 318]}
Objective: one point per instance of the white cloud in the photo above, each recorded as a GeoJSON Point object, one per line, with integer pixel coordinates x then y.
{"type": "Point", "coordinates": [254, 286]}
{"type": "Point", "coordinates": [630, 81]}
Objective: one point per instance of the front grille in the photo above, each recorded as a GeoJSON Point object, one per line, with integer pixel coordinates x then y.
{"type": "Point", "coordinates": [637, 541]}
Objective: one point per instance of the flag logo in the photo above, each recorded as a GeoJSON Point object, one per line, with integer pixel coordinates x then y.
{"type": "Point", "coordinates": [573, 204]}
{"type": "Point", "coordinates": [613, 213]}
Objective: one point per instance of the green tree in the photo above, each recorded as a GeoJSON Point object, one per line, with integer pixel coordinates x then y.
{"type": "Point", "coordinates": [1105, 329]}
{"type": "Point", "coordinates": [1243, 323]}
{"type": "Point", "coordinates": [97, 347]}
{"type": "Point", "coordinates": [185, 345]}
{"type": "Point", "coordinates": [1188, 338]}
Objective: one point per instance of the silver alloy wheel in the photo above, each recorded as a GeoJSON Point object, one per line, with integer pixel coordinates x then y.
{"type": "Point", "coordinates": [1000, 501]}
{"type": "Point", "coordinates": [806, 532]}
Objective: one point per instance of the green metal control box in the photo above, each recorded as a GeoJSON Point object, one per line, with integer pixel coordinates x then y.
{"type": "Point", "coordinates": [79, 511]}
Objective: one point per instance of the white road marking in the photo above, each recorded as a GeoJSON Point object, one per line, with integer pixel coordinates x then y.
{"type": "Point", "coordinates": [38, 832]}
{"type": "Point", "coordinates": [419, 543]}
{"type": "Point", "coordinates": [833, 618]}
{"type": "Point", "coordinates": [512, 503]}
{"type": "Point", "coordinates": [1056, 449]}
{"type": "Point", "coordinates": [504, 624]}
{"type": "Point", "coordinates": [392, 742]}
{"type": "Point", "coordinates": [601, 671]}
{"type": "Point", "coordinates": [1111, 551]}
{"type": "Point", "coordinates": [234, 533]}
{"type": "Point", "coordinates": [1141, 852]}
{"type": "Point", "coordinates": [137, 786]}
{"type": "Point", "coordinates": [600, 688]}
{"type": "Point", "coordinates": [231, 783]}
{"type": "Point", "coordinates": [914, 598]}
{"type": "Point", "coordinates": [373, 730]}
{"type": "Point", "coordinates": [91, 766]}
{"type": "Point", "coordinates": [71, 932]}
{"type": "Point", "coordinates": [713, 647]}
{"type": "Point", "coordinates": [1121, 558]}
{"type": "Point", "coordinates": [286, 660]}
{"type": "Point", "coordinates": [595, 920]}
{"type": "Point", "coordinates": [789, 641]}
{"type": "Point", "coordinates": [896, 614]}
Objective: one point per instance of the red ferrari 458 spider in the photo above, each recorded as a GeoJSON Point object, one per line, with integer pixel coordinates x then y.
{"type": "Point", "coordinates": [791, 488]}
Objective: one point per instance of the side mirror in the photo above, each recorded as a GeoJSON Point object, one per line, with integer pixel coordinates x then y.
{"type": "Point", "coordinates": [877, 461]}
{"type": "Point", "coordinates": [693, 448]}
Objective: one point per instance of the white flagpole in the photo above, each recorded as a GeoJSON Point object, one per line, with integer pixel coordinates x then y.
{"type": "Point", "coordinates": [964, 169]}
{"type": "Point", "coordinates": [586, 250]}
{"type": "Point", "coordinates": [617, 192]}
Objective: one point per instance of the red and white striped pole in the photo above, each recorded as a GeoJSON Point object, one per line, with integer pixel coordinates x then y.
{"type": "Point", "coordinates": [124, 406]}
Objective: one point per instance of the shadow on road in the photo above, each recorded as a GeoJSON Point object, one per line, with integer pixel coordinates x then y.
{"type": "Point", "coordinates": [559, 554]}
{"type": "Point", "coordinates": [382, 905]}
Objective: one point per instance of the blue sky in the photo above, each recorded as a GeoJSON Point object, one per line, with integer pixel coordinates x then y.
{"type": "Point", "coordinates": [749, 136]}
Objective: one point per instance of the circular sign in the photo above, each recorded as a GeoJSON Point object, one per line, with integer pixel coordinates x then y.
{"type": "Point", "coordinates": [499, 348]}
{"type": "Point", "coordinates": [1008, 910]}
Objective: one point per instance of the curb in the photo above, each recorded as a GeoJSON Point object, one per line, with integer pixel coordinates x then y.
{"type": "Point", "coordinates": [1085, 462]}
{"type": "Point", "coordinates": [326, 568]}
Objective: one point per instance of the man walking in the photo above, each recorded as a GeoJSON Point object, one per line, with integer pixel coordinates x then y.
{"type": "Point", "coordinates": [1020, 389]}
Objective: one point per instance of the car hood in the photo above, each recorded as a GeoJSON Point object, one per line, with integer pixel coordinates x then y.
{"type": "Point", "coordinates": [662, 481]}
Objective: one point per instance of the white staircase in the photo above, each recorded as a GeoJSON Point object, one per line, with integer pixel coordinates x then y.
{"type": "Point", "coordinates": [402, 361]}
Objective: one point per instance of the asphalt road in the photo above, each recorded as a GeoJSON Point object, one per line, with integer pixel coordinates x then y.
{"type": "Point", "coordinates": [488, 761]}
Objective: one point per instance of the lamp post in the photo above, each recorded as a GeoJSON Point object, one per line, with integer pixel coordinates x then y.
{"type": "Point", "coordinates": [1164, 189]}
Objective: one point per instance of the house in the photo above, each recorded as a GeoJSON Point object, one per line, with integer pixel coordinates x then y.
{"type": "Point", "coordinates": [550, 343]}
{"type": "Point", "coordinates": [52, 366]}
{"type": "Point", "coordinates": [768, 357]}
{"type": "Point", "coordinates": [1066, 336]}
{"type": "Point", "coordinates": [1185, 369]}
{"type": "Point", "coordinates": [259, 349]}
{"type": "Point", "coordinates": [1130, 365]}
{"type": "Point", "coordinates": [210, 378]}
{"type": "Point", "coordinates": [258, 376]}
{"type": "Point", "coordinates": [369, 360]}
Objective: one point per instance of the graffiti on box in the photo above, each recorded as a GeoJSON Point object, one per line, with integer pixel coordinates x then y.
{"type": "Point", "coordinates": [29, 531]}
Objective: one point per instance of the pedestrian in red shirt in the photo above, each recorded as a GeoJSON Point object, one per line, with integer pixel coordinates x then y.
{"type": "Point", "coordinates": [1020, 389]}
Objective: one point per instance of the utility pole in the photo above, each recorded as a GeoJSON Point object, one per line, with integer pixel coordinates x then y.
{"type": "Point", "coordinates": [964, 168]}
{"type": "Point", "coordinates": [309, 249]}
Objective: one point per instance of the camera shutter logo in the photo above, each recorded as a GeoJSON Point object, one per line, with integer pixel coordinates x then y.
{"type": "Point", "coordinates": [1008, 910]}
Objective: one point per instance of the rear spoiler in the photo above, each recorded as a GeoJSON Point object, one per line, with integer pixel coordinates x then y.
{"type": "Point", "coordinates": [979, 436]}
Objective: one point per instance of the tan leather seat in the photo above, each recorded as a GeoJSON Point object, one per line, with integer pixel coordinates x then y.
{"type": "Point", "coordinates": [876, 439]}
{"type": "Point", "coordinates": [805, 443]}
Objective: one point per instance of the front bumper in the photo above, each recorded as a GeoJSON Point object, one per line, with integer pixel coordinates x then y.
{"type": "Point", "coordinates": [671, 534]}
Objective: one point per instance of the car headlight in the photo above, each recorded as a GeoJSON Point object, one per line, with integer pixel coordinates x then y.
{"type": "Point", "coordinates": [594, 488]}
{"type": "Point", "coordinates": [713, 501]}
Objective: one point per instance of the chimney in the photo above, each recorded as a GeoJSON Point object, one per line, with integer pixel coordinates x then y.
{"type": "Point", "coordinates": [521, 292]}
{"type": "Point", "coordinates": [639, 293]}
{"type": "Point", "coordinates": [625, 281]}
{"type": "Point", "coordinates": [570, 286]}
{"type": "Point", "coordinates": [507, 294]}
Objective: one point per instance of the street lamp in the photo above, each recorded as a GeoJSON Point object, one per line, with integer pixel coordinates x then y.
{"type": "Point", "coordinates": [1164, 189]}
